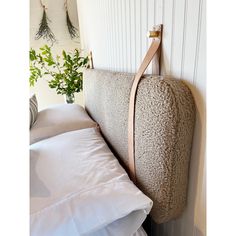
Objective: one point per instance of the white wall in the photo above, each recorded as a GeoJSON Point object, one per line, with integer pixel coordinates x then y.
{"type": "Point", "coordinates": [56, 13]}
{"type": "Point", "coordinates": [116, 31]}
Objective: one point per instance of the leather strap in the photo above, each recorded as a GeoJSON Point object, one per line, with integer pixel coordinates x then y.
{"type": "Point", "coordinates": [131, 122]}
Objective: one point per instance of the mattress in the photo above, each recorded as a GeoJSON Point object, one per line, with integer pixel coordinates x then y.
{"type": "Point", "coordinates": [77, 187]}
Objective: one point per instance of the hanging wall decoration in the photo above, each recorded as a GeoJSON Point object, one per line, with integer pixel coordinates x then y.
{"type": "Point", "coordinates": [74, 33]}
{"type": "Point", "coordinates": [44, 30]}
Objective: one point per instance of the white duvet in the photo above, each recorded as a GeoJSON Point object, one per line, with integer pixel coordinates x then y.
{"type": "Point", "coordinates": [78, 187]}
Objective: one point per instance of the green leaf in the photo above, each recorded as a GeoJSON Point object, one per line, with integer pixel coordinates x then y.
{"type": "Point", "coordinates": [66, 75]}
{"type": "Point", "coordinates": [64, 54]}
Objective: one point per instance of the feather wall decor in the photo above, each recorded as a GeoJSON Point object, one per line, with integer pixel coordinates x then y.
{"type": "Point", "coordinates": [44, 30]}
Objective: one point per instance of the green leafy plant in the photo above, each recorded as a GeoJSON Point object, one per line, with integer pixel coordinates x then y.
{"type": "Point", "coordinates": [65, 71]}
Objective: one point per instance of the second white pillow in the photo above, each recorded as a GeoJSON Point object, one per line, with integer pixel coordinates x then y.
{"type": "Point", "coordinates": [59, 119]}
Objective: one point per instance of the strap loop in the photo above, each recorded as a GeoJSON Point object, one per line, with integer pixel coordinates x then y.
{"type": "Point", "coordinates": [131, 122]}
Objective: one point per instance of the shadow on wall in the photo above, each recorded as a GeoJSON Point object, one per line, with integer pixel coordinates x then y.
{"type": "Point", "coordinates": [165, 62]}
{"type": "Point", "coordinates": [185, 225]}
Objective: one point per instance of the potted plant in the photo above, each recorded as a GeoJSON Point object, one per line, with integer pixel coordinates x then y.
{"type": "Point", "coordinates": [65, 72]}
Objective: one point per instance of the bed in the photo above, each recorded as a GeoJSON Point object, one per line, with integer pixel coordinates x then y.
{"type": "Point", "coordinates": [79, 183]}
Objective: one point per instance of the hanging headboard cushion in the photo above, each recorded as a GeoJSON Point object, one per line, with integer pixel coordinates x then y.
{"type": "Point", "coordinates": [164, 124]}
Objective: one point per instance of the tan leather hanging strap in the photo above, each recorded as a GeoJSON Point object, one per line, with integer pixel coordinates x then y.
{"type": "Point", "coordinates": [131, 145]}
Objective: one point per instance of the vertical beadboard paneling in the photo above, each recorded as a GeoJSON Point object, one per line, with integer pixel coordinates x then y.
{"type": "Point", "coordinates": [138, 41]}
{"type": "Point", "coordinates": [143, 25]}
{"type": "Point", "coordinates": [177, 39]}
{"type": "Point", "coordinates": [116, 31]}
{"type": "Point", "coordinates": [167, 35]}
{"type": "Point", "coordinates": [197, 51]}
{"type": "Point", "coordinates": [128, 34]}
{"type": "Point", "coordinates": [201, 66]}
{"type": "Point", "coordinates": [158, 10]}
{"type": "Point", "coordinates": [119, 36]}
{"type": "Point", "coordinates": [123, 33]}
{"type": "Point", "coordinates": [191, 39]}
{"type": "Point", "coordinates": [107, 32]}
{"type": "Point", "coordinates": [110, 35]}
{"type": "Point", "coordinates": [133, 35]}
{"type": "Point", "coordinates": [150, 24]}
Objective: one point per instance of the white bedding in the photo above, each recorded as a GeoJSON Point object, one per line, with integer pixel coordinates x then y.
{"type": "Point", "coordinates": [59, 119]}
{"type": "Point", "coordinates": [78, 188]}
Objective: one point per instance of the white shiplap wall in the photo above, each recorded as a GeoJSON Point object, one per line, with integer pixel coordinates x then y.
{"type": "Point", "coordinates": [115, 31]}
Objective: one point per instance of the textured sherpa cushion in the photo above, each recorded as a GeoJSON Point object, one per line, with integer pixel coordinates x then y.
{"type": "Point", "coordinates": [164, 123]}
{"type": "Point", "coordinates": [33, 110]}
{"type": "Point", "coordinates": [59, 119]}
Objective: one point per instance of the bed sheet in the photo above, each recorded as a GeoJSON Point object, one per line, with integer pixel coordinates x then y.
{"type": "Point", "coordinates": [77, 187]}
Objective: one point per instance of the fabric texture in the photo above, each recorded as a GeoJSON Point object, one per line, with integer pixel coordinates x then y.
{"type": "Point", "coordinates": [78, 187]}
{"type": "Point", "coordinates": [164, 125]}
{"type": "Point", "coordinates": [58, 119]}
{"type": "Point", "coordinates": [33, 109]}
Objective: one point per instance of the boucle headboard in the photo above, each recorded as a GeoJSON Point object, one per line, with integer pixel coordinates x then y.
{"type": "Point", "coordinates": [164, 123]}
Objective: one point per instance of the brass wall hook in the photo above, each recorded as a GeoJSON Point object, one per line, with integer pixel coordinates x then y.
{"type": "Point", "coordinates": [156, 34]}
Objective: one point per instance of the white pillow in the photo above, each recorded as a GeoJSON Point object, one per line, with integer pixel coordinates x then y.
{"type": "Point", "coordinates": [33, 109]}
{"type": "Point", "coordinates": [78, 187]}
{"type": "Point", "coordinates": [59, 119]}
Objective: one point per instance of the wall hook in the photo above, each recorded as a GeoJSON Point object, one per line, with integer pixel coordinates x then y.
{"type": "Point", "coordinates": [156, 33]}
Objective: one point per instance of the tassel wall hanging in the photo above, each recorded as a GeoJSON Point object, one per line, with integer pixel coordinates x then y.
{"type": "Point", "coordinates": [74, 33]}
{"type": "Point", "coordinates": [44, 30]}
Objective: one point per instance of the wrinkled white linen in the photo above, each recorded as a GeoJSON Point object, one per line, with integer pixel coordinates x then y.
{"type": "Point", "coordinates": [140, 232]}
{"type": "Point", "coordinates": [79, 188]}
